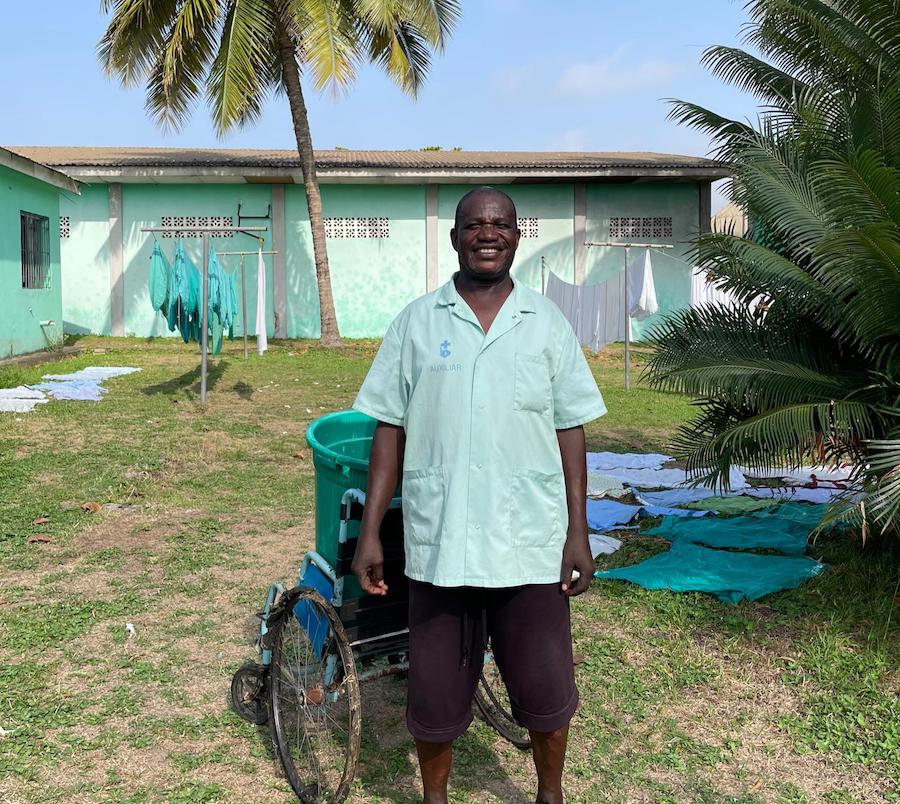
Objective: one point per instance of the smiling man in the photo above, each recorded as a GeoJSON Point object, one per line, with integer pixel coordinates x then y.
{"type": "Point", "coordinates": [481, 390]}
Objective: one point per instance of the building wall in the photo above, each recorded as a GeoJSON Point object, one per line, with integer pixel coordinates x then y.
{"type": "Point", "coordinates": [85, 253]}
{"type": "Point", "coordinates": [373, 278]}
{"type": "Point", "coordinates": [24, 309]}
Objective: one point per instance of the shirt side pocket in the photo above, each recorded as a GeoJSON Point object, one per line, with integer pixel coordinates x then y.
{"type": "Point", "coordinates": [533, 392]}
{"type": "Point", "coordinates": [424, 505]}
{"type": "Point", "coordinates": [535, 515]}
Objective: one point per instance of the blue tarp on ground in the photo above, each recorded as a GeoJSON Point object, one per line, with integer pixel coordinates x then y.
{"type": "Point", "coordinates": [727, 575]}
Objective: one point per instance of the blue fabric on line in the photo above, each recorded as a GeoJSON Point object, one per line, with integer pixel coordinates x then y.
{"type": "Point", "coordinates": [729, 576]}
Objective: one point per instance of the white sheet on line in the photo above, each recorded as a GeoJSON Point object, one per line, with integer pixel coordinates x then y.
{"type": "Point", "coordinates": [641, 290]}
{"type": "Point", "coordinates": [262, 342]}
{"type": "Point", "coordinates": [626, 460]}
{"type": "Point", "coordinates": [705, 293]}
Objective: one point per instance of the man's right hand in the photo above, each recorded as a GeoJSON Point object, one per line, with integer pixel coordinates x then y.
{"type": "Point", "coordinates": [368, 565]}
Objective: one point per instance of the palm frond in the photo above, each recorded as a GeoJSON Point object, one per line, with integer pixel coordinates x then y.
{"type": "Point", "coordinates": [239, 75]}
{"type": "Point", "coordinates": [328, 40]}
{"type": "Point", "coordinates": [136, 34]}
{"type": "Point", "coordinates": [178, 76]}
{"type": "Point", "coordinates": [750, 74]}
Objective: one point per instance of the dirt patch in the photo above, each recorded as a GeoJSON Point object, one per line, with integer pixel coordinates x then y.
{"type": "Point", "coordinates": [742, 713]}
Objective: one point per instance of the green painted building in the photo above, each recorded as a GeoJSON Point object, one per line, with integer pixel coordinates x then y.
{"type": "Point", "coordinates": [388, 217]}
{"type": "Point", "coordinates": [30, 281]}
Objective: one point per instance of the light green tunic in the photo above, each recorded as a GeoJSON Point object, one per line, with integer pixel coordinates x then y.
{"type": "Point", "coordinates": [484, 498]}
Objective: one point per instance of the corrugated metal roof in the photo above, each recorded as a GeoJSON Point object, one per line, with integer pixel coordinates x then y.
{"type": "Point", "coordinates": [66, 156]}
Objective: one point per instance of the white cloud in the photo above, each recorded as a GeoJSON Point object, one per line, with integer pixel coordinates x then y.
{"type": "Point", "coordinates": [609, 76]}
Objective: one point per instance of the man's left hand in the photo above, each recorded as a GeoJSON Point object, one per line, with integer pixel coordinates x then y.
{"type": "Point", "coordinates": [577, 556]}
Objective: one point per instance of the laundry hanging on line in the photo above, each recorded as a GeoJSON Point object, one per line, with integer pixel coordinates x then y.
{"type": "Point", "coordinates": [596, 312]}
{"type": "Point", "coordinates": [641, 291]}
{"type": "Point", "coordinates": [262, 341]}
{"type": "Point", "coordinates": [181, 303]}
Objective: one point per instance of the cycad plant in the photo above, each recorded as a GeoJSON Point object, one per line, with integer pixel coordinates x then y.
{"type": "Point", "coordinates": [236, 53]}
{"type": "Point", "coordinates": [812, 373]}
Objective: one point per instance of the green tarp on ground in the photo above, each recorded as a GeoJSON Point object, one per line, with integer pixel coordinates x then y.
{"type": "Point", "coordinates": [727, 575]}
{"type": "Point", "coordinates": [731, 506]}
{"type": "Point", "coordinates": [784, 528]}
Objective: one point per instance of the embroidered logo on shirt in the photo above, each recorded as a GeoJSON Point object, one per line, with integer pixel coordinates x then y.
{"type": "Point", "coordinates": [445, 349]}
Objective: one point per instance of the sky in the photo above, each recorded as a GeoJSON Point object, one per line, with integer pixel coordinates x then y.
{"type": "Point", "coordinates": [516, 75]}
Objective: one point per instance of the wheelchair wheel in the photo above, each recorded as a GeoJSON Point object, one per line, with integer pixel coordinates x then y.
{"type": "Point", "coordinates": [250, 693]}
{"type": "Point", "coordinates": [492, 701]}
{"type": "Point", "coordinates": [315, 701]}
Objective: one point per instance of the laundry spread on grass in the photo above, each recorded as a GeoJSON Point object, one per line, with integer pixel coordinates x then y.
{"type": "Point", "coordinates": [81, 386]}
{"type": "Point", "coordinates": [783, 534]}
{"type": "Point", "coordinates": [730, 576]}
{"type": "Point", "coordinates": [712, 532]}
{"type": "Point", "coordinates": [21, 399]}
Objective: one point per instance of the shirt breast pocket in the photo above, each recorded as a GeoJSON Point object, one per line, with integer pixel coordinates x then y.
{"type": "Point", "coordinates": [532, 384]}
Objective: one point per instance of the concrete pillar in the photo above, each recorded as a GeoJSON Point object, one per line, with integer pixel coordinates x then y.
{"type": "Point", "coordinates": [580, 234]}
{"type": "Point", "coordinates": [431, 237]}
{"type": "Point", "coordinates": [116, 262]}
{"type": "Point", "coordinates": [705, 206]}
{"type": "Point", "coordinates": [279, 261]}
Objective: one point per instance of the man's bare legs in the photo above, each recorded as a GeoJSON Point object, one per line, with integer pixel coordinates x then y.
{"type": "Point", "coordinates": [434, 762]}
{"type": "Point", "coordinates": [548, 749]}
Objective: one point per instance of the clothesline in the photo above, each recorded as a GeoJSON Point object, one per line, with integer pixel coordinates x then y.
{"type": "Point", "coordinates": [206, 232]}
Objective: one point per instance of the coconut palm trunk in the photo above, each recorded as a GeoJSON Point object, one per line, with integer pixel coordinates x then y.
{"type": "Point", "coordinates": [291, 75]}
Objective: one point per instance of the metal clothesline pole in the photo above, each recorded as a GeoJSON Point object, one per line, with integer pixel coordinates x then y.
{"type": "Point", "coordinates": [244, 287]}
{"type": "Point", "coordinates": [628, 246]}
{"type": "Point", "coordinates": [205, 232]}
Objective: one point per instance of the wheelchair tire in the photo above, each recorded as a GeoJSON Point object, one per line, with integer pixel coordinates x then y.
{"type": "Point", "coordinates": [315, 715]}
{"type": "Point", "coordinates": [492, 701]}
{"type": "Point", "coordinates": [250, 693]}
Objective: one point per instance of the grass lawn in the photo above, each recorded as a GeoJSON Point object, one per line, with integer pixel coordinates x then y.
{"type": "Point", "coordinates": [793, 699]}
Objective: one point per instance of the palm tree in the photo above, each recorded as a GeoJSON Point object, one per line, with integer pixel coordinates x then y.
{"type": "Point", "coordinates": [813, 373]}
{"type": "Point", "coordinates": [237, 52]}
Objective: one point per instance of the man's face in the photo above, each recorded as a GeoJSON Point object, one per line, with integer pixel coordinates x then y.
{"type": "Point", "coordinates": [486, 237]}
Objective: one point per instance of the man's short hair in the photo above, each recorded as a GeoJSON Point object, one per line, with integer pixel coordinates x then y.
{"type": "Point", "coordinates": [478, 190]}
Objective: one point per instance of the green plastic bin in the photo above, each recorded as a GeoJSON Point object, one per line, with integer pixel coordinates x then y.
{"type": "Point", "coordinates": [341, 443]}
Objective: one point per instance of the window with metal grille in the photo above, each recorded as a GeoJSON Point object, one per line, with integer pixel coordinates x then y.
{"type": "Point", "coordinates": [528, 227]}
{"type": "Point", "coordinates": [357, 227]}
{"type": "Point", "coordinates": [63, 226]}
{"type": "Point", "coordinates": [35, 251]}
{"type": "Point", "coordinates": [635, 228]}
{"type": "Point", "coordinates": [194, 223]}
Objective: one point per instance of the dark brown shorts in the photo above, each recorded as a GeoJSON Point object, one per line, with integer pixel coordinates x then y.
{"type": "Point", "coordinates": [531, 640]}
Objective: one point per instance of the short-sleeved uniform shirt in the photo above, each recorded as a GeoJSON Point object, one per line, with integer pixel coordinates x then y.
{"type": "Point", "coordinates": [484, 498]}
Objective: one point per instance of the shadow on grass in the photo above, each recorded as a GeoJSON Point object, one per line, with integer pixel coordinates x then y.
{"type": "Point", "coordinates": [189, 381]}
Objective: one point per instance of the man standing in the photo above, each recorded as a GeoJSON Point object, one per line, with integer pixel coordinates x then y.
{"type": "Point", "coordinates": [481, 390]}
